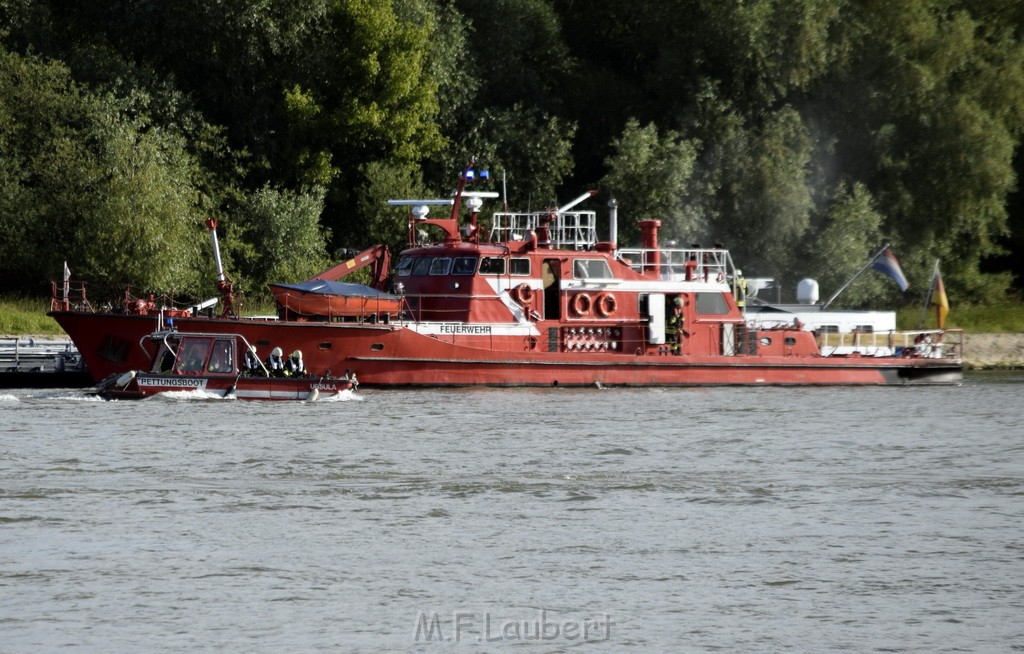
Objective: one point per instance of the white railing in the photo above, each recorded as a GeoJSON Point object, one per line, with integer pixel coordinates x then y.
{"type": "Point", "coordinates": [699, 264]}
{"type": "Point", "coordinates": [570, 229]}
{"type": "Point", "coordinates": [930, 343]}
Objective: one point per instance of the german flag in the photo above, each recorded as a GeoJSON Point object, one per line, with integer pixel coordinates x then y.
{"type": "Point", "coordinates": [939, 299]}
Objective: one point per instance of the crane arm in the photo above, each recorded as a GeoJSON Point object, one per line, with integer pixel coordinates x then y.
{"type": "Point", "coordinates": [379, 256]}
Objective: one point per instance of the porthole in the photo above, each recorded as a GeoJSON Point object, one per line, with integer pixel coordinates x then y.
{"type": "Point", "coordinates": [790, 340]}
{"type": "Point", "coordinates": [765, 340]}
{"type": "Point", "coordinates": [377, 347]}
{"type": "Point", "coordinates": [326, 345]}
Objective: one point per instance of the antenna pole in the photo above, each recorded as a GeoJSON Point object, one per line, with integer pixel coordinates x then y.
{"type": "Point", "coordinates": [843, 287]}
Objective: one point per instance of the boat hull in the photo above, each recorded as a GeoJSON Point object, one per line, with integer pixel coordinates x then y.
{"type": "Point", "coordinates": [398, 355]}
{"type": "Point", "coordinates": [143, 385]}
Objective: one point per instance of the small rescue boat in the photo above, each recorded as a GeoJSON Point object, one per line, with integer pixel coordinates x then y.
{"type": "Point", "coordinates": [331, 299]}
{"type": "Point", "coordinates": [218, 365]}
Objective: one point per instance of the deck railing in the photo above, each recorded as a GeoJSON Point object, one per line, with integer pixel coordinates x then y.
{"type": "Point", "coordinates": [929, 343]}
{"type": "Point", "coordinates": [706, 264]}
{"type": "Point", "coordinates": [575, 230]}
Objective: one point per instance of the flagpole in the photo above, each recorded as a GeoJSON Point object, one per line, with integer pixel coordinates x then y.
{"type": "Point", "coordinates": [928, 299]}
{"type": "Point", "coordinates": [843, 287]}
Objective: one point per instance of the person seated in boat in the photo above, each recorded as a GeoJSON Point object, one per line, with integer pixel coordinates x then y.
{"type": "Point", "coordinates": [294, 366]}
{"type": "Point", "coordinates": [275, 363]}
{"type": "Point", "coordinates": [252, 363]}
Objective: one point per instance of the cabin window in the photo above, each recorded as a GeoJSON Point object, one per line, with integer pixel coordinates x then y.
{"type": "Point", "coordinates": [519, 266]}
{"type": "Point", "coordinates": [404, 267]}
{"type": "Point", "coordinates": [464, 266]}
{"type": "Point", "coordinates": [421, 266]}
{"type": "Point", "coordinates": [441, 266]}
{"type": "Point", "coordinates": [377, 347]}
{"type": "Point", "coordinates": [591, 269]}
{"type": "Point", "coordinates": [222, 359]}
{"type": "Point", "coordinates": [765, 340]}
{"type": "Point", "coordinates": [192, 355]}
{"type": "Point", "coordinates": [865, 329]}
{"type": "Point", "coordinates": [829, 329]}
{"type": "Point", "coordinates": [711, 304]}
{"type": "Point", "coordinates": [326, 345]}
{"type": "Point", "coordinates": [164, 363]}
{"type": "Point", "coordinates": [492, 266]}
{"type": "Point", "coordinates": [790, 340]}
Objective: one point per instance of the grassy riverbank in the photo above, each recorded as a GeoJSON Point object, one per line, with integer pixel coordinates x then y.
{"type": "Point", "coordinates": [23, 316]}
{"type": "Point", "coordinates": [1003, 319]}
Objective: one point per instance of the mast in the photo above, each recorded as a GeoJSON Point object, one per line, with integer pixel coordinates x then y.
{"type": "Point", "coordinates": [224, 285]}
{"type": "Point", "coordinates": [843, 287]}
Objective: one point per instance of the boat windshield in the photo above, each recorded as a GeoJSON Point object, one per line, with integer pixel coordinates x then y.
{"type": "Point", "coordinates": [222, 359]}
{"type": "Point", "coordinates": [192, 355]}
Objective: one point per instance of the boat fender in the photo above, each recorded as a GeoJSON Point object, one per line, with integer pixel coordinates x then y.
{"type": "Point", "coordinates": [581, 304]}
{"type": "Point", "coordinates": [313, 396]}
{"type": "Point", "coordinates": [605, 305]}
{"type": "Point", "coordinates": [523, 294]}
{"type": "Point", "coordinates": [124, 379]}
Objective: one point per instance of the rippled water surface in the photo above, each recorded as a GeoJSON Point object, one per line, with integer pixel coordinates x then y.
{"type": "Point", "coordinates": [771, 519]}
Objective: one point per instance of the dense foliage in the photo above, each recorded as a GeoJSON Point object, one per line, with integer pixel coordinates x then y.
{"type": "Point", "coordinates": [803, 134]}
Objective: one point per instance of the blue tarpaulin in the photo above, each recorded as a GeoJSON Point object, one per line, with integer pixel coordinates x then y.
{"type": "Point", "coordinates": [325, 287]}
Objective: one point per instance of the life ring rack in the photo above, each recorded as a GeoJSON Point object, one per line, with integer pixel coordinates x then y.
{"type": "Point", "coordinates": [581, 304]}
{"type": "Point", "coordinates": [605, 305]}
{"type": "Point", "coordinates": [523, 294]}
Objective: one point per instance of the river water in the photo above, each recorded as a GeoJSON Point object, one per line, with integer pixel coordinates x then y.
{"type": "Point", "coordinates": [769, 519]}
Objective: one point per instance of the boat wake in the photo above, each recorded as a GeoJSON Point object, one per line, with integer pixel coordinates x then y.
{"type": "Point", "coordinates": [7, 397]}
{"type": "Point", "coordinates": [342, 396]}
{"type": "Point", "coordinates": [194, 394]}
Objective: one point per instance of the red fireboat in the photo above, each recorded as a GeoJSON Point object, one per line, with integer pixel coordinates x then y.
{"type": "Point", "coordinates": [538, 301]}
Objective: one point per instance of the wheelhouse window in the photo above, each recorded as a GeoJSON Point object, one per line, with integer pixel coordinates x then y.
{"type": "Point", "coordinates": [441, 266]}
{"type": "Point", "coordinates": [492, 266]}
{"type": "Point", "coordinates": [464, 266]}
{"type": "Point", "coordinates": [223, 356]}
{"type": "Point", "coordinates": [711, 304]}
{"type": "Point", "coordinates": [591, 269]}
{"type": "Point", "coordinates": [192, 355]}
{"type": "Point", "coordinates": [519, 266]}
{"type": "Point", "coordinates": [421, 266]}
{"type": "Point", "coordinates": [404, 267]}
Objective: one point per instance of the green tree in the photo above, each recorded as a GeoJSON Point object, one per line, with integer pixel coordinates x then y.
{"type": "Point", "coordinates": [275, 236]}
{"type": "Point", "coordinates": [650, 175]}
{"type": "Point", "coordinates": [115, 197]}
{"type": "Point", "coordinates": [850, 234]}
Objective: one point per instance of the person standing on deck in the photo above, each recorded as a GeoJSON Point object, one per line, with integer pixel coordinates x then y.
{"type": "Point", "coordinates": [674, 329]}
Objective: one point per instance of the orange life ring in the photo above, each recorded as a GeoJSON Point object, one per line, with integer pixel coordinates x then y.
{"type": "Point", "coordinates": [523, 294]}
{"type": "Point", "coordinates": [581, 304]}
{"type": "Point", "coordinates": [605, 305]}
